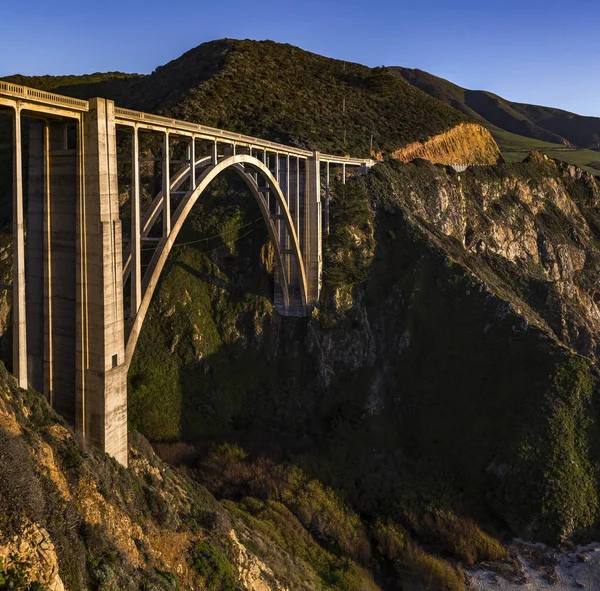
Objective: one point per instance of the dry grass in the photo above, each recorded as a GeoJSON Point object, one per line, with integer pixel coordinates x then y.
{"type": "Point", "coordinates": [413, 563]}
{"type": "Point", "coordinates": [229, 473]}
{"type": "Point", "coordinates": [456, 535]}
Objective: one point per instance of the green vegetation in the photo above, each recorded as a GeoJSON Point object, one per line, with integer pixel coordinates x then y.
{"type": "Point", "coordinates": [278, 92]}
{"type": "Point", "coordinates": [55, 83]}
{"type": "Point", "coordinates": [394, 542]}
{"type": "Point", "coordinates": [511, 142]}
{"type": "Point", "coordinates": [214, 567]}
{"type": "Point", "coordinates": [515, 148]}
{"type": "Point", "coordinates": [277, 499]}
{"type": "Point", "coordinates": [348, 260]}
{"type": "Point", "coordinates": [229, 472]}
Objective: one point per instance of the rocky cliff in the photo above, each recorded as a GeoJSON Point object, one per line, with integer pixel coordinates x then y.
{"type": "Point", "coordinates": [528, 232]}
{"type": "Point", "coordinates": [446, 382]}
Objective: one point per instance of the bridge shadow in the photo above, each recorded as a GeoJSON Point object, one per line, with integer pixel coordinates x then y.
{"type": "Point", "coordinates": [409, 426]}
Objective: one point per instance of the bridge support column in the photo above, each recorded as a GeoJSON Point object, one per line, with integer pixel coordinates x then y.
{"type": "Point", "coordinates": [166, 179]}
{"type": "Point", "coordinates": [297, 204]}
{"type": "Point", "coordinates": [136, 226]}
{"type": "Point", "coordinates": [313, 228]}
{"type": "Point", "coordinates": [101, 384]}
{"type": "Point", "coordinates": [326, 213]}
{"type": "Point", "coordinates": [19, 308]}
{"type": "Point", "coordinates": [37, 268]}
{"type": "Point", "coordinates": [192, 158]}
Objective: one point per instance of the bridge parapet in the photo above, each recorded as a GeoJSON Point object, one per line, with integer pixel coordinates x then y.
{"type": "Point", "coordinates": [41, 96]}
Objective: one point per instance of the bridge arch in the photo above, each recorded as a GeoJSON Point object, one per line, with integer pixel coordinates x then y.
{"type": "Point", "coordinates": [244, 165]}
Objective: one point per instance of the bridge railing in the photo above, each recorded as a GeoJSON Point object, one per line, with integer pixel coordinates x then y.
{"type": "Point", "coordinates": [333, 159]}
{"type": "Point", "coordinates": [230, 136]}
{"type": "Point", "coordinates": [211, 132]}
{"type": "Point", "coordinates": [41, 96]}
{"type": "Point", "coordinates": [463, 167]}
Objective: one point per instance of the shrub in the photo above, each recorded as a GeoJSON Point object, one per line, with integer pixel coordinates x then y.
{"type": "Point", "coordinates": [458, 536]}
{"type": "Point", "coordinates": [413, 563]}
{"type": "Point", "coordinates": [19, 486]}
{"type": "Point", "coordinates": [349, 246]}
{"type": "Point", "coordinates": [15, 577]}
{"type": "Point", "coordinates": [214, 567]}
{"type": "Point", "coordinates": [229, 472]}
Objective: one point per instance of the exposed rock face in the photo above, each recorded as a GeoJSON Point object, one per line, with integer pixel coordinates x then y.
{"type": "Point", "coordinates": [254, 573]}
{"type": "Point", "coordinates": [538, 235]}
{"type": "Point", "coordinates": [33, 547]}
{"type": "Point", "coordinates": [467, 143]}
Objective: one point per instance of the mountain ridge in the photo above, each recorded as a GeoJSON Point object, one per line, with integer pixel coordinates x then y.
{"type": "Point", "coordinates": [535, 121]}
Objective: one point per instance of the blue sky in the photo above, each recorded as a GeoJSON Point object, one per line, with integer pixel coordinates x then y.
{"type": "Point", "coordinates": [542, 52]}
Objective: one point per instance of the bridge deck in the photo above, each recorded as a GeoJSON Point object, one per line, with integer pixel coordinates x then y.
{"type": "Point", "coordinates": [130, 118]}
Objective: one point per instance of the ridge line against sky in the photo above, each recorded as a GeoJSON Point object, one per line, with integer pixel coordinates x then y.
{"type": "Point", "coordinates": [531, 51]}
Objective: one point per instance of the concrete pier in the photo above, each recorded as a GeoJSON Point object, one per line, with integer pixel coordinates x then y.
{"type": "Point", "coordinates": [102, 371]}
{"type": "Point", "coordinates": [62, 177]}
{"type": "Point", "coordinates": [313, 227]}
{"type": "Point", "coordinates": [35, 256]}
{"type": "Point", "coordinates": [19, 306]}
{"type": "Point", "coordinates": [136, 228]}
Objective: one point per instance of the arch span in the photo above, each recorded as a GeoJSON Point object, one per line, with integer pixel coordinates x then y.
{"type": "Point", "coordinates": [243, 165]}
{"type": "Point", "coordinates": [156, 206]}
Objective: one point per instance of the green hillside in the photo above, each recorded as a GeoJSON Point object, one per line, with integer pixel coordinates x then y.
{"type": "Point", "coordinates": [511, 142]}
{"type": "Point", "coordinates": [540, 123]}
{"type": "Point", "coordinates": [279, 92]}
{"type": "Point", "coordinates": [515, 148]}
{"type": "Point", "coordinates": [518, 128]}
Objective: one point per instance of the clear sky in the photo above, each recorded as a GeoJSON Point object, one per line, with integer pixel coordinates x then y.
{"type": "Point", "coordinates": [542, 52]}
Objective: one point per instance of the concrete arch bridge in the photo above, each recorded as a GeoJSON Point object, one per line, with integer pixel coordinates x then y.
{"type": "Point", "coordinates": [77, 260]}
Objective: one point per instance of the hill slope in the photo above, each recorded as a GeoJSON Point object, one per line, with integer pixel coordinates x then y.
{"type": "Point", "coordinates": [72, 519]}
{"type": "Point", "coordinates": [279, 92]}
{"type": "Point", "coordinates": [541, 123]}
